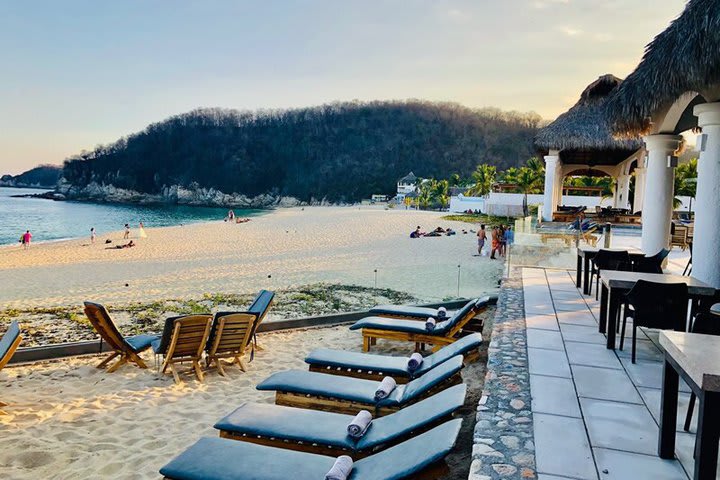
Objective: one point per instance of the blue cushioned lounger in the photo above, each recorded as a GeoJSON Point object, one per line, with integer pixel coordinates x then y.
{"type": "Point", "coordinates": [364, 365]}
{"type": "Point", "coordinates": [222, 459]}
{"type": "Point", "coordinates": [300, 388]}
{"type": "Point", "coordinates": [408, 311]}
{"type": "Point", "coordinates": [326, 432]}
{"type": "Point", "coordinates": [413, 326]}
{"type": "Point", "coordinates": [444, 333]}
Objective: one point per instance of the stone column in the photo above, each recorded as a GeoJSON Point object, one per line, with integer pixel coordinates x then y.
{"type": "Point", "coordinates": [639, 186]}
{"type": "Point", "coordinates": [551, 164]}
{"type": "Point", "coordinates": [706, 241]}
{"type": "Point", "coordinates": [558, 184]}
{"type": "Point", "coordinates": [658, 201]}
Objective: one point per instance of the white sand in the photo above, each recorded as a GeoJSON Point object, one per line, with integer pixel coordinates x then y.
{"type": "Point", "coordinates": [293, 246]}
{"type": "Point", "coordinates": [69, 420]}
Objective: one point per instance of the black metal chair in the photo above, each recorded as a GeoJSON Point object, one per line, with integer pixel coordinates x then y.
{"type": "Point", "coordinates": [662, 306]}
{"type": "Point", "coordinates": [608, 260]}
{"type": "Point", "coordinates": [651, 264]}
{"type": "Point", "coordinates": [706, 324]}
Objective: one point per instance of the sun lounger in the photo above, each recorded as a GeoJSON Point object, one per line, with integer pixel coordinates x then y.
{"type": "Point", "coordinates": [444, 333]}
{"type": "Point", "coordinates": [420, 458]}
{"type": "Point", "coordinates": [128, 349]}
{"type": "Point", "coordinates": [183, 340]}
{"type": "Point", "coordinates": [326, 433]}
{"type": "Point", "coordinates": [313, 390]}
{"type": "Point", "coordinates": [376, 367]}
{"type": "Point", "coordinates": [409, 312]}
{"type": "Point", "coordinates": [230, 336]}
{"type": "Point", "coordinates": [259, 307]}
{"type": "Point", "coordinates": [8, 344]}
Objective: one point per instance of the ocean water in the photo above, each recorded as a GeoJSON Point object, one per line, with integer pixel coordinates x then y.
{"type": "Point", "coordinates": [49, 220]}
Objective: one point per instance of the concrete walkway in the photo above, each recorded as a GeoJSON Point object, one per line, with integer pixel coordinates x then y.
{"type": "Point", "coordinates": [595, 414]}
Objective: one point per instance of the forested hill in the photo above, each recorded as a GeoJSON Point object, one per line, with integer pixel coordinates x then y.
{"type": "Point", "coordinates": [44, 176]}
{"type": "Point", "coordinates": [339, 152]}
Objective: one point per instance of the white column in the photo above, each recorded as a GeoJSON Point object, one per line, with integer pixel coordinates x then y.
{"type": "Point", "coordinates": [622, 191]}
{"type": "Point", "coordinates": [558, 183]}
{"type": "Point", "coordinates": [551, 162]}
{"type": "Point", "coordinates": [706, 240]}
{"type": "Point", "coordinates": [658, 201]}
{"type": "Point", "coordinates": [639, 186]}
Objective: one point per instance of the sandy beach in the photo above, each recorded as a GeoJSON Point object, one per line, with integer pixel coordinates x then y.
{"type": "Point", "coordinates": [283, 248]}
{"type": "Point", "coordinates": [69, 420]}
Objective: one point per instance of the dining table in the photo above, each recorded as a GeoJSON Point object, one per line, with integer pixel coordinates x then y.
{"type": "Point", "coordinates": [586, 253]}
{"type": "Point", "coordinates": [615, 284]}
{"type": "Point", "coordinates": [695, 358]}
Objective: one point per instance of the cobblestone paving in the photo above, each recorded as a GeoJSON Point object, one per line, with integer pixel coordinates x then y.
{"type": "Point", "coordinates": [503, 439]}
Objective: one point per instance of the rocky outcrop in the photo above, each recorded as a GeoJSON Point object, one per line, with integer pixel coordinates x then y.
{"type": "Point", "coordinates": [194, 195]}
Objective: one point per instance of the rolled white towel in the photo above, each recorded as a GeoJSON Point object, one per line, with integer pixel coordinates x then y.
{"type": "Point", "coordinates": [340, 470]}
{"type": "Point", "coordinates": [385, 388]}
{"type": "Point", "coordinates": [359, 424]}
{"type": "Point", "coordinates": [442, 312]}
{"type": "Point", "coordinates": [414, 361]}
{"type": "Point", "coordinates": [430, 324]}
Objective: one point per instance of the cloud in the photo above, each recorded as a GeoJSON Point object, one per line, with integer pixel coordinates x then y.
{"type": "Point", "coordinates": [541, 4]}
{"type": "Point", "coordinates": [570, 31]}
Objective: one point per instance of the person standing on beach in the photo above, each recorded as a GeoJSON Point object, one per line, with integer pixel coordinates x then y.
{"type": "Point", "coordinates": [142, 233]}
{"type": "Point", "coordinates": [127, 232]}
{"type": "Point", "coordinates": [495, 242]}
{"type": "Point", "coordinates": [92, 235]}
{"type": "Point", "coordinates": [26, 239]}
{"type": "Point", "coordinates": [482, 236]}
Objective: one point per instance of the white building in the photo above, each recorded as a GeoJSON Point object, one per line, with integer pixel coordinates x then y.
{"type": "Point", "coordinates": [405, 186]}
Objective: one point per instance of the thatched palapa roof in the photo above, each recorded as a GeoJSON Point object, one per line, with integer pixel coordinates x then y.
{"type": "Point", "coordinates": [683, 58]}
{"type": "Point", "coordinates": [585, 128]}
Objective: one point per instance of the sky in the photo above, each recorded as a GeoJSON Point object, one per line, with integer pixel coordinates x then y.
{"type": "Point", "coordinates": [76, 74]}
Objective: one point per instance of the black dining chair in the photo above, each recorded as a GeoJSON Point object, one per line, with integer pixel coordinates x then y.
{"type": "Point", "coordinates": [706, 324]}
{"type": "Point", "coordinates": [662, 306]}
{"type": "Point", "coordinates": [652, 264]}
{"type": "Point", "coordinates": [608, 260]}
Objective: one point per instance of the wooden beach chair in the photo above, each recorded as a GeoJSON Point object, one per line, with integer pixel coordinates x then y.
{"type": "Point", "coordinates": [444, 333]}
{"type": "Point", "coordinates": [184, 339]}
{"type": "Point", "coordinates": [419, 458]}
{"type": "Point", "coordinates": [325, 433]}
{"type": "Point", "coordinates": [260, 307]}
{"type": "Point", "coordinates": [8, 344]}
{"type": "Point", "coordinates": [230, 336]}
{"type": "Point", "coordinates": [377, 367]}
{"type": "Point", "coordinates": [128, 349]}
{"type": "Point", "coordinates": [318, 391]}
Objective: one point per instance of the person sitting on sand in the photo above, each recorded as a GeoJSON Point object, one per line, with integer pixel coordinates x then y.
{"type": "Point", "coordinates": [416, 233]}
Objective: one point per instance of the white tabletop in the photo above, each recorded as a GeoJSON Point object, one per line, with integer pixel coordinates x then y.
{"type": "Point", "coordinates": [715, 309]}
{"type": "Point", "coordinates": [698, 355]}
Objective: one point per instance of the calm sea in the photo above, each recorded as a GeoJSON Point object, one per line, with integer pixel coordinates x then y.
{"type": "Point", "coordinates": [50, 220]}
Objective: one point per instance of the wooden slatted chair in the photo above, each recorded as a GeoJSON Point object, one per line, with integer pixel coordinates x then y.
{"type": "Point", "coordinates": [230, 336]}
{"type": "Point", "coordinates": [8, 344]}
{"type": "Point", "coordinates": [184, 339]}
{"type": "Point", "coordinates": [260, 307]}
{"type": "Point", "coordinates": [128, 349]}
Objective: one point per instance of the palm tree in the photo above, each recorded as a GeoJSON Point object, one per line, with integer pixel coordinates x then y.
{"type": "Point", "coordinates": [484, 177]}
{"type": "Point", "coordinates": [685, 182]}
{"type": "Point", "coordinates": [509, 175]}
{"type": "Point", "coordinates": [536, 164]}
{"type": "Point", "coordinates": [440, 189]}
{"type": "Point", "coordinates": [424, 192]}
{"type": "Point", "coordinates": [528, 181]}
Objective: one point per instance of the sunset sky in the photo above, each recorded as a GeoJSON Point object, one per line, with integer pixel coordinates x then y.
{"type": "Point", "coordinates": [80, 73]}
